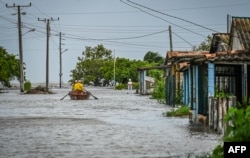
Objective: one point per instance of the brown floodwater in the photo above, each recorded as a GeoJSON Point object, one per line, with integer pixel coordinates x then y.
{"type": "Point", "coordinates": [118, 124]}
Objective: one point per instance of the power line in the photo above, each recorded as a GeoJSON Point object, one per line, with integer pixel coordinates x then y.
{"type": "Point", "coordinates": [125, 12]}
{"type": "Point", "coordinates": [162, 19]}
{"type": "Point", "coordinates": [124, 38]}
{"type": "Point", "coordinates": [8, 19]}
{"type": "Point", "coordinates": [46, 14]}
{"type": "Point", "coordinates": [172, 16]}
{"type": "Point", "coordinates": [183, 39]}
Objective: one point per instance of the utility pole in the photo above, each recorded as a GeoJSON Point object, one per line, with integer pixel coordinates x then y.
{"type": "Point", "coordinates": [20, 43]}
{"type": "Point", "coordinates": [228, 23]}
{"type": "Point", "coordinates": [60, 59]}
{"type": "Point", "coordinates": [170, 38]}
{"type": "Point", "coordinates": [114, 69]}
{"type": "Point", "coordinates": [171, 50]}
{"type": "Point", "coordinates": [47, 48]}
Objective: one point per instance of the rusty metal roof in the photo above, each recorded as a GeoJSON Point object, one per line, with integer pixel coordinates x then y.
{"type": "Point", "coordinates": [230, 57]}
{"type": "Point", "coordinates": [233, 48]}
{"type": "Point", "coordinates": [185, 54]}
{"type": "Point", "coordinates": [234, 57]}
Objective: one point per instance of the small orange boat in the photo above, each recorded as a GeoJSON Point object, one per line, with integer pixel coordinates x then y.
{"type": "Point", "coordinates": [79, 95]}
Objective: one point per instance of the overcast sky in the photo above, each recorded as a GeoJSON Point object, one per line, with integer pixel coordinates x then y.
{"type": "Point", "coordinates": [129, 30]}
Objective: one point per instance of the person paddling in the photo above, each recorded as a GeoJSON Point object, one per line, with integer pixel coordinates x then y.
{"type": "Point", "coordinates": [78, 86]}
{"type": "Point", "coordinates": [78, 90]}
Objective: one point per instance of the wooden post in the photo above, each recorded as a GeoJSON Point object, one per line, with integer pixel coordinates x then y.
{"type": "Point", "coordinates": [224, 112]}
{"type": "Point", "coordinates": [220, 115]}
{"type": "Point", "coordinates": [210, 113]}
{"type": "Point", "coordinates": [215, 113]}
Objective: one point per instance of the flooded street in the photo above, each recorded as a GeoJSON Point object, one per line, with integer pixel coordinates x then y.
{"type": "Point", "coordinates": [116, 125]}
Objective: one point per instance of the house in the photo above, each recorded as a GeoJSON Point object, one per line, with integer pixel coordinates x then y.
{"type": "Point", "coordinates": [146, 83]}
{"type": "Point", "coordinates": [223, 71]}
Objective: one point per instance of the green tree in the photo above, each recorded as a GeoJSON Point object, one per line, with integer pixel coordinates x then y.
{"type": "Point", "coordinates": [9, 69]}
{"type": "Point", "coordinates": [107, 70]}
{"type": "Point", "coordinates": [89, 65]}
{"type": "Point", "coordinates": [205, 45]}
{"type": "Point", "coordinates": [97, 63]}
{"type": "Point", "coordinates": [153, 57]}
{"type": "Point", "coordinates": [98, 52]}
{"type": "Point", "coordinates": [127, 69]}
{"type": "Point", "coordinates": [156, 73]}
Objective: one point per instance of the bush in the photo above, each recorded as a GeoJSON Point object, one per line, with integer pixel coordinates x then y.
{"type": "Point", "coordinates": [27, 86]}
{"type": "Point", "coordinates": [238, 121]}
{"type": "Point", "coordinates": [159, 92]}
{"type": "Point", "coordinates": [179, 96]}
{"type": "Point", "coordinates": [239, 125]}
{"type": "Point", "coordinates": [218, 152]}
{"type": "Point", "coordinates": [135, 85]}
{"type": "Point", "coordinates": [120, 87]}
{"type": "Point", "coordinates": [39, 90]}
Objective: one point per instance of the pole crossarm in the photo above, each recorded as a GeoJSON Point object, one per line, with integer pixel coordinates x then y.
{"type": "Point", "coordinates": [14, 5]}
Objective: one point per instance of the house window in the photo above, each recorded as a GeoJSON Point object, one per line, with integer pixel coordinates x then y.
{"type": "Point", "coordinates": [225, 79]}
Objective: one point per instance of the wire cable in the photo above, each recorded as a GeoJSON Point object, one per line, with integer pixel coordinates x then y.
{"type": "Point", "coordinates": [163, 19]}
{"type": "Point", "coordinates": [108, 39]}
{"type": "Point", "coordinates": [172, 16]}
{"type": "Point", "coordinates": [183, 39]}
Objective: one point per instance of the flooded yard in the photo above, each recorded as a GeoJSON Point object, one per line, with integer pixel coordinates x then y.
{"type": "Point", "coordinates": [118, 124]}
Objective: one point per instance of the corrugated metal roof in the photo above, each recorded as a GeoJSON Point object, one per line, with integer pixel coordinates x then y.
{"type": "Point", "coordinates": [220, 42]}
{"type": "Point", "coordinates": [240, 33]}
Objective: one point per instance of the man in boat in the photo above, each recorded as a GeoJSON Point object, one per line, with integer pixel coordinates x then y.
{"type": "Point", "coordinates": [73, 84]}
{"type": "Point", "coordinates": [78, 92]}
{"type": "Point", "coordinates": [78, 86]}
{"type": "Point", "coordinates": [81, 85]}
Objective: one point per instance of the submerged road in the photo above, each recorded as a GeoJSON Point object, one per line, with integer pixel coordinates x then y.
{"type": "Point", "coordinates": [118, 124]}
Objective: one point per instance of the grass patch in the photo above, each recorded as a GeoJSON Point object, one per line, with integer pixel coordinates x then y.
{"type": "Point", "coordinates": [181, 111]}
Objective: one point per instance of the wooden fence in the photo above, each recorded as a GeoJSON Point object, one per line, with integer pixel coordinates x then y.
{"type": "Point", "coordinates": [218, 107]}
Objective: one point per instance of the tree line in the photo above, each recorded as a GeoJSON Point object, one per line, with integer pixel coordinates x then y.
{"type": "Point", "coordinates": [97, 65]}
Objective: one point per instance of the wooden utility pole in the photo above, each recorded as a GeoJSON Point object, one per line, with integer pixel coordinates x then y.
{"type": "Point", "coordinates": [170, 38]}
{"type": "Point", "coordinates": [20, 43]}
{"type": "Point", "coordinates": [47, 47]}
{"type": "Point", "coordinates": [114, 69]}
{"type": "Point", "coordinates": [60, 60]}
